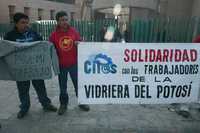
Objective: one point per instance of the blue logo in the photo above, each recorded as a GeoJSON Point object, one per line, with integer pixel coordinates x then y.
{"type": "Point", "coordinates": [99, 64]}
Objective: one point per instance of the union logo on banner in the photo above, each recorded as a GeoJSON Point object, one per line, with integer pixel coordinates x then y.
{"type": "Point", "coordinates": [100, 63]}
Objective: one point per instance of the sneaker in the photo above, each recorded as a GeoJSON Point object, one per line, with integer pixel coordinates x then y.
{"type": "Point", "coordinates": [84, 107]}
{"type": "Point", "coordinates": [21, 114]}
{"type": "Point", "coordinates": [50, 108]}
{"type": "Point", "coordinates": [62, 109]}
{"type": "Point", "coordinates": [171, 109]}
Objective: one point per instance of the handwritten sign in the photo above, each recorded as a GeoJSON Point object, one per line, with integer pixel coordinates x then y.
{"type": "Point", "coordinates": [28, 61]}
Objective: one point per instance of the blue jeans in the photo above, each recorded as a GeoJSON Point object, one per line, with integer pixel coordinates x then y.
{"type": "Point", "coordinates": [62, 77]}
{"type": "Point", "coordinates": [23, 91]}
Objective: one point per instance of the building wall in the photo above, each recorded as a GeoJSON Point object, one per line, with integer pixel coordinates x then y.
{"type": "Point", "coordinates": [152, 8]}
{"type": "Point", "coordinates": [138, 8]}
{"type": "Point", "coordinates": [85, 11]}
{"type": "Point", "coordinates": [196, 8]}
{"type": "Point", "coordinates": [142, 13]}
{"type": "Point", "coordinates": [181, 8]}
{"type": "Point", "coordinates": [46, 6]}
{"type": "Point", "coordinates": [150, 4]}
{"type": "Point", "coordinates": [78, 6]}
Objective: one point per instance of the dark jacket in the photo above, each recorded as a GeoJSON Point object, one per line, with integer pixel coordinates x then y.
{"type": "Point", "coordinates": [28, 36]}
{"type": "Point", "coordinates": [102, 34]}
{"type": "Point", "coordinates": [117, 36]}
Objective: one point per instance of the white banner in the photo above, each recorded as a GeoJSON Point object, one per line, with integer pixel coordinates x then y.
{"type": "Point", "coordinates": [138, 73]}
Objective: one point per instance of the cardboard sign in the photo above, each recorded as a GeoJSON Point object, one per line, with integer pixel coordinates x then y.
{"type": "Point", "coordinates": [27, 61]}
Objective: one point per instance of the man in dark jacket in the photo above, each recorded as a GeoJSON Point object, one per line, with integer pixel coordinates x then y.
{"type": "Point", "coordinates": [21, 33]}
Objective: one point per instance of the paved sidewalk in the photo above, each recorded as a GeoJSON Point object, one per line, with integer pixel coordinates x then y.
{"type": "Point", "coordinates": [100, 119]}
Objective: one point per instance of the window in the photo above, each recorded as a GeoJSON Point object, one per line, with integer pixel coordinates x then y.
{"type": "Point", "coordinates": [11, 12]}
{"type": "Point", "coordinates": [40, 14]}
{"type": "Point", "coordinates": [72, 14]}
{"type": "Point", "coordinates": [64, 1]}
{"type": "Point", "coordinates": [27, 11]}
{"type": "Point", "coordinates": [52, 14]}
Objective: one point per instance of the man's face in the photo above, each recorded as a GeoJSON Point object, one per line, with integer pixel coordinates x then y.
{"type": "Point", "coordinates": [63, 22]}
{"type": "Point", "coordinates": [22, 25]}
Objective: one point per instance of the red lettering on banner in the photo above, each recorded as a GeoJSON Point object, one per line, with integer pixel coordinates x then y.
{"type": "Point", "coordinates": [185, 56]}
{"type": "Point", "coordinates": [193, 55]}
{"type": "Point", "coordinates": [134, 58]}
{"type": "Point", "coordinates": [165, 55]}
{"type": "Point", "coordinates": [160, 55]}
{"type": "Point", "coordinates": [126, 53]}
{"type": "Point", "coordinates": [140, 56]}
{"type": "Point", "coordinates": [177, 55]}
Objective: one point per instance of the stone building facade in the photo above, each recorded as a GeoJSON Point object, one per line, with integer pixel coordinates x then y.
{"type": "Point", "coordinates": [98, 9]}
{"type": "Point", "coordinates": [148, 8]}
{"type": "Point", "coordinates": [36, 9]}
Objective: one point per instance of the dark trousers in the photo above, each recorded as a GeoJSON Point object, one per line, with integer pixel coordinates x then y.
{"type": "Point", "coordinates": [23, 91]}
{"type": "Point", "coordinates": [63, 77]}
